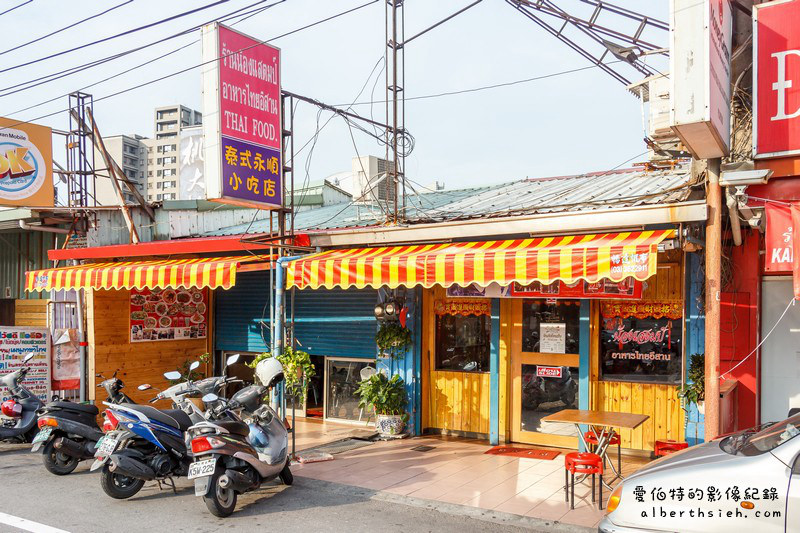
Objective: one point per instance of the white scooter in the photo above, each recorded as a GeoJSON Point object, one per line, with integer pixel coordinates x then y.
{"type": "Point", "coordinates": [232, 456]}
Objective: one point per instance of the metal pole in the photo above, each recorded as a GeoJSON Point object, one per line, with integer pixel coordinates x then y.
{"type": "Point", "coordinates": [713, 289]}
{"type": "Point", "coordinates": [81, 340]}
{"type": "Point", "coordinates": [394, 105]}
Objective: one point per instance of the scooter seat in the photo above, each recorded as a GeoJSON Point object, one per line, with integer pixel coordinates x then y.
{"type": "Point", "coordinates": [72, 406]}
{"type": "Point", "coordinates": [234, 427]}
{"type": "Point", "coordinates": [171, 417]}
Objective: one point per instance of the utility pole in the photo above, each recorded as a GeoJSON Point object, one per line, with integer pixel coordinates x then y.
{"type": "Point", "coordinates": [395, 78]}
{"type": "Point", "coordinates": [713, 289]}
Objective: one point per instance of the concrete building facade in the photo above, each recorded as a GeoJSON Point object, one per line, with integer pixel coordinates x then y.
{"type": "Point", "coordinates": [130, 153]}
{"type": "Point", "coordinates": [163, 151]}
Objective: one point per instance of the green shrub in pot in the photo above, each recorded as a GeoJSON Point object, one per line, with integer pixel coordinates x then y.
{"type": "Point", "coordinates": [694, 392]}
{"type": "Point", "coordinates": [387, 397]}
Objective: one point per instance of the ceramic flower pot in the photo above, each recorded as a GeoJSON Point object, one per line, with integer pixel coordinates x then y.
{"type": "Point", "coordinates": [390, 424]}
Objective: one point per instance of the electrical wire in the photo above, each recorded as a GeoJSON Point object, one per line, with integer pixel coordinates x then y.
{"type": "Point", "coordinates": [790, 304]}
{"type": "Point", "coordinates": [111, 37]}
{"type": "Point", "coordinates": [182, 71]}
{"type": "Point", "coordinates": [15, 7]}
{"type": "Point", "coordinates": [43, 37]}
{"type": "Point", "coordinates": [229, 16]}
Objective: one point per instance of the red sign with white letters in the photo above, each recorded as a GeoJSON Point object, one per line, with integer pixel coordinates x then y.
{"type": "Point", "coordinates": [548, 371]}
{"type": "Point", "coordinates": [778, 241]}
{"type": "Point", "coordinates": [776, 66]}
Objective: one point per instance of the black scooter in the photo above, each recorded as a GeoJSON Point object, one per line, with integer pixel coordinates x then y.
{"type": "Point", "coordinates": [69, 432]}
{"type": "Point", "coordinates": [20, 408]}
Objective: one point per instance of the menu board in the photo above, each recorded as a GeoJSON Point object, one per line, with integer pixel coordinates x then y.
{"type": "Point", "coordinates": [641, 342]}
{"type": "Point", "coordinates": [15, 344]}
{"type": "Point", "coordinates": [168, 314]}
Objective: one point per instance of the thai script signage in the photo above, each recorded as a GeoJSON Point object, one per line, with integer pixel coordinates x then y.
{"type": "Point", "coordinates": [628, 288]}
{"type": "Point", "coordinates": [462, 307]}
{"type": "Point", "coordinates": [641, 341]}
{"type": "Point", "coordinates": [242, 119]}
{"type": "Point", "coordinates": [15, 344]}
{"type": "Point", "coordinates": [776, 74]}
{"type": "Point", "coordinates": [26, 164]}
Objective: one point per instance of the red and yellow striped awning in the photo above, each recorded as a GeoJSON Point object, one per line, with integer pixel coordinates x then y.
{"type": "Point", "coordinates": [212, 272]}
{"type": "Point", "coordinates": [613, 256]}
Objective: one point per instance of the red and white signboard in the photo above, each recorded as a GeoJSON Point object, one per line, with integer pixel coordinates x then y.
{"type": "Point", "coordinates": [548, 371]}
{"type": "Point", "coordinates": [776, 69]}
{"type": "Point", "coordinates": [779, 256]}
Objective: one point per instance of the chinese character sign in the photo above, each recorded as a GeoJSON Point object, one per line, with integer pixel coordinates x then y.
{"type": "Point", "coordinates": [243, 144]}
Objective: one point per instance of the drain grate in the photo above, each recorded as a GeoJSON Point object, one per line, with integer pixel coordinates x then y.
{"type": "Point", "coordinates": [423, 448]}
{"type": "Point", "coordinates": [339, 446]}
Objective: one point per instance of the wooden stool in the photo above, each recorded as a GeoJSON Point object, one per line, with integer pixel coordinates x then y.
{"type": "Point", "coordinates": [581, 463]}
{"type": "Point", "coordinates": [591, 440]}
{"type": "Point", "coordinates": [668, 446]}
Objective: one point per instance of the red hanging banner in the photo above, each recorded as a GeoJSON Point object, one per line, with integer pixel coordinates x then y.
{"type": "Point", "coordinates": [778, 240]}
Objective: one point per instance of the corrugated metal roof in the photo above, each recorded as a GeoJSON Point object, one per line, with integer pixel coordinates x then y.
{"type": "Point", "coordinates": [585, 192]}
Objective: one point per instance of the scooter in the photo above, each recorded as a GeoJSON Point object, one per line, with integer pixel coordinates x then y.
{"type": "Point", "coordinates": [232, 456]}
{"type": "Point", "coordinates": [148, 444]}
{"type": "Point", "coordinates": [20, 408]}
{"type": "Point", "coordinates": [68, 431]}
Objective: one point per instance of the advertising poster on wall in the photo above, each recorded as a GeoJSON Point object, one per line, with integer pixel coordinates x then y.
{"type": "Point", "coordinates": [15, 344]}
{"type": "Point", "coordinates": [66, 367]}
{"type": "Point", "coordinates": [168, 314]}
{"type": "Point", "coordinates": [242, 119]}
{"type": "Point", "coordinates": [641, 342]}
{"type": "Point", "coordinates": [26, 164]}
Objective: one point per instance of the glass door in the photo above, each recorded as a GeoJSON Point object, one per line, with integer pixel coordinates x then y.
{"type": "Point", "coordinates": [544, 370]}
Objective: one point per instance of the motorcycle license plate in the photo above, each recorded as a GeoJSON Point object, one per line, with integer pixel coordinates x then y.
{"type": "Point", "coordinates": [202, 468]}
{"type": "Point", "coordinates": [106, 446]}
{"type": "Point", "coordinates": [42, 435]}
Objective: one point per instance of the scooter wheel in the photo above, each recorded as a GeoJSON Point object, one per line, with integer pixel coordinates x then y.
{"type": "Point", "coordinates": [220, 501]}
{"type": "Point", "coordinates": [57, 462]}
{"type": "Point", "coordinates": [286, 476]}
{"type": "Point", "coordinates": [117, 486]}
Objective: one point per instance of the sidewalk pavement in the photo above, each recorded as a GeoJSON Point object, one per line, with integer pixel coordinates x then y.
{"type": "Point", "coordinates": [457, 471]}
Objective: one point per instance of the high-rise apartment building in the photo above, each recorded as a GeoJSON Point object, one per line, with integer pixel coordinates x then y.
{"type": "Point", "coordinates": [163, 151]}
{"type": "Point", "coordinates": [130, 153]}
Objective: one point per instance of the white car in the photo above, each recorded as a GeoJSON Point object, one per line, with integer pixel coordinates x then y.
{"type": "Point", "coordinates": [747, 481]}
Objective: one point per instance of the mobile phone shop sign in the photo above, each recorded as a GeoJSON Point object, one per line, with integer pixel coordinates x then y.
{"type": "Point", "coordinates": [242, 122]}
{"type": "Point", "coordinates": [15, 344]}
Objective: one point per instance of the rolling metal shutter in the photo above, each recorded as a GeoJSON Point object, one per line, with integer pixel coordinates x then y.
{"type": "Point", "coordinates": [240, 312]}
{"type": "Point", "coordinates": [336, 322]}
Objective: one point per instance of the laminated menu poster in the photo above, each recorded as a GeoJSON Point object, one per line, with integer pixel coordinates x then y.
{"type": "Point", "coordinates": [15, 344]}
{"type": "Point", "coordinates": [168, 314]}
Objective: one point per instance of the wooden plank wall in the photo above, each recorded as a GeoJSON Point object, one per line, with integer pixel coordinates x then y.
{"type": "Point", "coordinates": [30, 313]}
{"type": "Point", "coordinates": [452, 401]}
{"type": "Point", "coordinates": [108, 319]}
{"type": "Point", "coordinates": [659, 402]}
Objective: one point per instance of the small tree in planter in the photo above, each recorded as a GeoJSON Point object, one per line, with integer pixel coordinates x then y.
{"type": "Point", "coordinates": [393, 340]}
{"type": "Point", "coordinates": [387, 396]}
{"type": "Point", "coordinates": [694, 392]}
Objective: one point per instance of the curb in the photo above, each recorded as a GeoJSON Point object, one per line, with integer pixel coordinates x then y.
{"type": "Point", "coordinates": [487, 515]}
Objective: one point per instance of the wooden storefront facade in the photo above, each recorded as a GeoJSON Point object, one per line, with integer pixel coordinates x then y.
{"type": "Point", "coordinates": [460, 403]}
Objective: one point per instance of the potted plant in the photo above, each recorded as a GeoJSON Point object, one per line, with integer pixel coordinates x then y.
{"type": "Point", "coordinates": [695, 389]}
{"type": "Point", "coordinates": [387, 397]}
{"type": "Point", "coordinates": [393, 339]}
{"type": "Point", "coordinates": [297, 371]}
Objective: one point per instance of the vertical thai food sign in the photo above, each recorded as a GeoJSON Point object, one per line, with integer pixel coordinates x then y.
{"type": "Point", "coordinates": [242, 119]}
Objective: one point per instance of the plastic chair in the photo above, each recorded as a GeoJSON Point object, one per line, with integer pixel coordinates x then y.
{"type": "Point", "coordinates": [668, 446]}
{"type": "Point", "coordinates": [582, 463]}
{"type": "Point", "coordinates": [591, 440]}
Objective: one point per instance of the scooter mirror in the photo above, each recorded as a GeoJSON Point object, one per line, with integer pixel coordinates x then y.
{"type": "Point", "coordinates": [194, 365]}
{"type": "Point", "coordinates": [210, 398]}
{"type": "Point", "coordinates": [232, 359]}
{"type": "Point", "coordinates": [172, 376]}
{"type": "Point", "coordinates": [28, 357]}
{"type": "Point", "coordinates": [144, 386]}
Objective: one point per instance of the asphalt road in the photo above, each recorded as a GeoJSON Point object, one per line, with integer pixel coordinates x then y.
{"type": "Point", "coordinates": [76, 503]}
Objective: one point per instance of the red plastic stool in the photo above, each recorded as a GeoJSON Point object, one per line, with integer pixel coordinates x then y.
{"type": "Point", "coordinates": [668, 446]}
{"type": "Point", "coordinates": [581, 463]}
{"type": "Point", "coordinates": [591, 440]}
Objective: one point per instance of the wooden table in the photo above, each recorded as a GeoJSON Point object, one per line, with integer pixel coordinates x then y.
{"type": "Point", "coordinates": [606, 421]}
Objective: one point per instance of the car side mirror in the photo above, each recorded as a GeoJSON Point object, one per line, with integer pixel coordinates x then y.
{"type": "Point", "coordinates": [144, 386]}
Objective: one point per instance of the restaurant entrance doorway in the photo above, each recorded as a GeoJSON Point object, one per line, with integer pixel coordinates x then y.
{"type": "Point", "coordinates": [544, 369]}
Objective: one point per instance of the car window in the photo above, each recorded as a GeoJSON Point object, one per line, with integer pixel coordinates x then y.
{"type": "Point", "coordinates": [770, 438]}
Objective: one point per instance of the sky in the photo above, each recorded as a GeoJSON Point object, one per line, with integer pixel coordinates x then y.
{"type": "Point", "coordinates": [566, 124]}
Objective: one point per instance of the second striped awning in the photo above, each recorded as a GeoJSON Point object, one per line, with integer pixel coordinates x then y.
{"type": "Point", "coordinates": [212, 272]}
{"type": "Point", "coordinates": [613, 256]}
